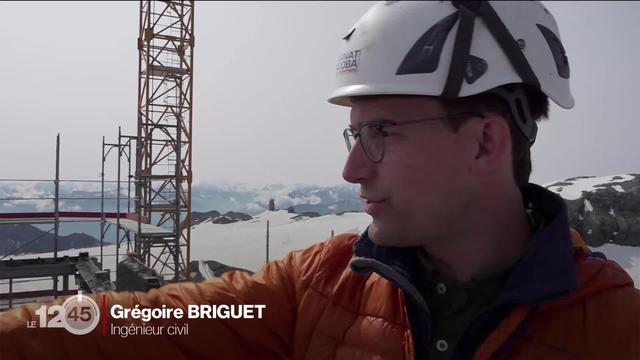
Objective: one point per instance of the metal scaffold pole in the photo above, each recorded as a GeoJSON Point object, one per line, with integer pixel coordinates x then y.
{"type": "Point", "coordinates": [56, 204]}
{"type": "Point", "coordinates": [102, 218]}
{"type": "Point", "coordinates": [118, 198]}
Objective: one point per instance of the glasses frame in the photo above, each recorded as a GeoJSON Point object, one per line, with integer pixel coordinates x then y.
{"type": "Point", "coordinates": [381, 125]}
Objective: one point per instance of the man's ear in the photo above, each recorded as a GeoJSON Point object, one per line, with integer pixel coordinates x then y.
{"type": "Point", "coordinates": [493, 145]}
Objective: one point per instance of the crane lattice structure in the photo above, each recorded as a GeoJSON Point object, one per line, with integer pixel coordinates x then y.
{"type": "Point", "coordinates": [163, 147]}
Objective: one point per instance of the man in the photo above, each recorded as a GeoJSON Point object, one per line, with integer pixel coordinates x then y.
{"type": "Point", "coordinates": [464, 258]}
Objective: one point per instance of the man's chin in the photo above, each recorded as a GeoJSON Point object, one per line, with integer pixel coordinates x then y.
{"type": "Point", "coordinates": [373, 231]}
{"type": "Point", "coordinates": [384, 235]}
{"type": "Point", "coordinates": [379, 236]}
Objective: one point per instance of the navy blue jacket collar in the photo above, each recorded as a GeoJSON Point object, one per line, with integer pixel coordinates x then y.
{"type": "Point", "coordinates": [545, 271]}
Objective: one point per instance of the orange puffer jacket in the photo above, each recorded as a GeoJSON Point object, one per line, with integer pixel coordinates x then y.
{"type": "Point", "coordinates": [324, 303]}
{"type": "Point", "coordinates": [316, 308]}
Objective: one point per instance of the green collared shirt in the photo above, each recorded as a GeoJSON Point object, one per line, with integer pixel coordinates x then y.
{"type": "Point", "coordinates": [454, 305]}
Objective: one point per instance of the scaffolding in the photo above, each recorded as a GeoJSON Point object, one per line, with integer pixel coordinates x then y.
{"type": "Point", "coordinates": [163, 142]}
{"type": "Point", "coordinates": [88, 272]}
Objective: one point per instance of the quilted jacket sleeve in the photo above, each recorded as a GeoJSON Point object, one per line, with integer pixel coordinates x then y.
{"type": "Point", "coordinates": [278, 285]}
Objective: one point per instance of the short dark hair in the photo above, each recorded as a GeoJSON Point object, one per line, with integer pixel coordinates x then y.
{"type": "Point", "coordinates": [487, 101]}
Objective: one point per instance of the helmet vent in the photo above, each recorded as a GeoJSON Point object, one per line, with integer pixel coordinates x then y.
{"type": "Point", "coordinates": [424, 55]}
{"type": "Point", "coordinates": [559, 55]}
{"type": "Point", "coordinates": [346, 38]}
{"type": "Point", "coordinates": [475, 68]}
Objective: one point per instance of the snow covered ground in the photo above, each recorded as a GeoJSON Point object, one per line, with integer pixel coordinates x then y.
{"type": "Point", "coordinates": [243, 244]}
{"type": "Point", "coordinates": [626, 256]}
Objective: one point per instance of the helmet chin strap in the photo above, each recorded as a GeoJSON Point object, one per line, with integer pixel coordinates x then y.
{"type": "Point", "coordinates": [520, 112]}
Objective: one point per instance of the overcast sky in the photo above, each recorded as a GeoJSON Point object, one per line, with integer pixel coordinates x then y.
{"type": "Point", "coordinates": [262, 74]}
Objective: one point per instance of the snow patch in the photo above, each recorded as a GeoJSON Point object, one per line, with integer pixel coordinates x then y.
{"type": "Point", "coordinates": [573, 189]}
{"type": "Point", "coordinates": [587, 206]}
{"type": "Point", "coordinates": [205, 270]}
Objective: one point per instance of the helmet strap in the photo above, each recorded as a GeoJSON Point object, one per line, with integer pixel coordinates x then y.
{"type": "Point", "coordinates": [520, 111]}
{"type": "Point", "coordinates": [468, 10]}
{"type": "Point", "coordinates": [460, 54]}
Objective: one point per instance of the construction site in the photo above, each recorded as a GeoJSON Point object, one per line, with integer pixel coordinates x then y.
{"type": "Point", "coordinates": [203, 180]}
{"type": "Point", "coordinates": [151, 188]}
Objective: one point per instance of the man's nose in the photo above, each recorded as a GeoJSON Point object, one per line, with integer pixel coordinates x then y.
{"type": "Point", "coordinates": [358, 168]}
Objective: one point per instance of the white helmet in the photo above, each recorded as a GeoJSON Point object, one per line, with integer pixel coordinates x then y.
{"type": "Point", "coordinates": [455, 49]}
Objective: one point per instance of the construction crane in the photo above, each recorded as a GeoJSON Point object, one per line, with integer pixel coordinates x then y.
{"type": "Point", "coordinates": [163, 172]}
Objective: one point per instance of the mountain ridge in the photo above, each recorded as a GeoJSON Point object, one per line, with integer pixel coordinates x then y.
{"type": "Point", "coordinates": [18, 239]}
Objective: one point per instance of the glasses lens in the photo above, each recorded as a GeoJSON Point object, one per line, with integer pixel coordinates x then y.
{"type": "Point", "coordinates": [372, 139]}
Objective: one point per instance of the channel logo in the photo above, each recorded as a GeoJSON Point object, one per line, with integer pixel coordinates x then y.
{"type": "Point", "coordinates": [79, 315]}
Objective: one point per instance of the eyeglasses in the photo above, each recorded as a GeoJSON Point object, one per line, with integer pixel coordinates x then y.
{"type": "Point", "coordinates": [372, 134]}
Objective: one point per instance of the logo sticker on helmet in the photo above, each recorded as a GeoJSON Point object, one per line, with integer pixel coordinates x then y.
{"type": "Point", "coordinates": [348, 62]}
